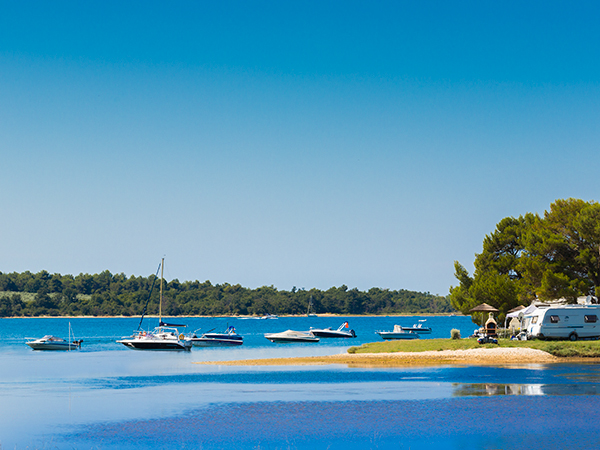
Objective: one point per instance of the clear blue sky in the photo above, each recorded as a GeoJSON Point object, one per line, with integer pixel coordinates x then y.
{"type": "Point", "coordinates": [308, 144]}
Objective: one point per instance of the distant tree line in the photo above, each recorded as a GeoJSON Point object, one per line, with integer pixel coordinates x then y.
{"type": "Point", "coordinates": [27, 294]}
{"type": "Point", "coordinates": [535, 258]}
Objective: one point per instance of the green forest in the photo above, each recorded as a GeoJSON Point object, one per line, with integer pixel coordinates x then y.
{"type": "Point", "coordinates": [105, 294]}
{"type": "Point", "coordinates": [533, 257]}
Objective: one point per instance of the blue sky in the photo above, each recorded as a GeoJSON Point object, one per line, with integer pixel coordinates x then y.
{"type": "Point", "coordinates": [307, 144]}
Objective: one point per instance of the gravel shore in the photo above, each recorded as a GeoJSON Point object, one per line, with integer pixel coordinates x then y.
{"type": "Point", "coordinates": [477, 356]}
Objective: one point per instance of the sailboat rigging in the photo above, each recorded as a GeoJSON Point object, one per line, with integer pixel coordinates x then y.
{"type": "Point", "coordinates": [310, 306]}
{"type": "Point", "coordinates": [164, 337]}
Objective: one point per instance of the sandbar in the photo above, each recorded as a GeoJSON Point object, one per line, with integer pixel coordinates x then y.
{"type": "Point", "coordinates": [478, 356]}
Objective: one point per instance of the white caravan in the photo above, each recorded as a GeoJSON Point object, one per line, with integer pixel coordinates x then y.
{"type": "Point", "coordinates": [563, 322]}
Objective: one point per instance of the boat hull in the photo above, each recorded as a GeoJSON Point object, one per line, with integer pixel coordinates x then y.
{"type": "Point", "coordinates": [139, 344]}
{"type": "Point", "coordinates": [284, 340]}
{"type": "Point", "coordinates": [52, 346]}
{"type": "Point", "coordinates": [226, 341]}
{"type": "Point", "coordinates": [332, 334]}
{"type": "Point", "coordinates": [389, 335]}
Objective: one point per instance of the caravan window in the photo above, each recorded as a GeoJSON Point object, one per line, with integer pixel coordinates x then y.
{"type": "Point", "coordinates": [554, 319]}
{"type": "Point", "coordinates": [590, 318]}
{"type": "Point", "coordinates": [534, 319]}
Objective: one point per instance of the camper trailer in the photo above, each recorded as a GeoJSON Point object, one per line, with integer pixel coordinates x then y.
{"type": "Point", "coordinates": [563, 322]}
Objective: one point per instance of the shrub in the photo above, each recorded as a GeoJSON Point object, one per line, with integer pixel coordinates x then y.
{"type": "Point", "coordinates": [454, 333]}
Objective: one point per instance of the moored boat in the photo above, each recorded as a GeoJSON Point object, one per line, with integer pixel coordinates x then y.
{"type": "Point", "coordinates": [341, 332]}
{"type": "Point", "coordinates": [164, 337]}
{"type": "Point", "coordinates": [50, 342]}
{"type": "Point", "coordinates": [419, 328]}
{"type": "Point", "coordinates": [228, 338]}
{"type": "Point", "coordinates": [310, 308]}
{"type": "Point", "coordinates": [398, 333]}
{"type": "Point", "coordinates": [292, 336]}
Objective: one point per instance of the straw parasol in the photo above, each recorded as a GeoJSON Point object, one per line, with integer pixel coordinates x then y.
{"type": "Point", "coordinates": [484, 307]}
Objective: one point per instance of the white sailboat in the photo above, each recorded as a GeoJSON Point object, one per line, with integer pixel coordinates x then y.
{"type": "Point", "coordinates": [310, 306]}
{"type": "Point", "coordinates": [164, 337]}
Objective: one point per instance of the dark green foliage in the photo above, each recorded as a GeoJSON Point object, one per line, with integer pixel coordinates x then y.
{"type": "Point", "coordinates": [11, 305]}
{"type": "Point", "coordinates": [531, 257]}
{"type": "Point", "coordinates": [106, 294]}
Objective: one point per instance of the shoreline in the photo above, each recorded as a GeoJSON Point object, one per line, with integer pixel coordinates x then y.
{"type": "Point", "coordinates": [471, 357]}
{"type": "Point", "coordinates": [324, 315]}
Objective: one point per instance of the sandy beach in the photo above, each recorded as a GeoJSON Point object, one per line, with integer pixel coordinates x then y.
{"type": "Point", "coordinates": [477, 356]}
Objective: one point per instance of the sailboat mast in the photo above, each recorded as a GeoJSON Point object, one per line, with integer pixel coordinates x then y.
{"type": "Point", "coordinates": [162, 267]}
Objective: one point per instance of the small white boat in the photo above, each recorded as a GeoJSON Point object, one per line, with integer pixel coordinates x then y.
{"type": "Point", "coordinates": [50, 342]}
{"type": "Point", "coordinates": [341, 332]}
{"type": "Point", "coordinates": [228, 338]}
{"type": "Point", "coordinates": [292, 336]}
{"type": "Point", "coordinates": [398, 333]}
{"type": "Point", "coordinates": [419, 328]}
{"type": "Point", "coordinates": [270, 316]}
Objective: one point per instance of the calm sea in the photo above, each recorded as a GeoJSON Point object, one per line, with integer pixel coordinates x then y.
{"type": "Point", "coordinates": [108, 397]}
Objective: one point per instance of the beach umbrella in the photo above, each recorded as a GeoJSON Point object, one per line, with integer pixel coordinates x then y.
{"type": "Point", "coordinates": [484, 307]}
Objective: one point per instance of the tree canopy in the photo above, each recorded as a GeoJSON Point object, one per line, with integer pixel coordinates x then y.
{"type": "Point", "coordinates": [532, 257]}
{"type": "Point", "coordinates": [105, 294]}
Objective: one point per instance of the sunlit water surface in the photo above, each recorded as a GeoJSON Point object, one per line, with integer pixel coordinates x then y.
{"type": "Point", "coordinates": [108, 397]}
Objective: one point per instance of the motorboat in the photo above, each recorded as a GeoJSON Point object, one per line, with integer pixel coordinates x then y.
{"type": "Point", "coordinates": [292, 336]}
{"type": "Point", "coordinates": [50, 342]}
{"type": "Point", "coordinates": [270, 316]}
{"type": "Point", "coordinates": [398, 333]}
{"type": "Point", "coordinates": [228, 338]}
{"type": "Point", "coordinates": [341, 332]}
{"type": "Point", "coordinates": [161, 338]}
{"type": "Point", "coordinates": [165, 336]}
{"type": "Point", "coordinates": [419, 328]}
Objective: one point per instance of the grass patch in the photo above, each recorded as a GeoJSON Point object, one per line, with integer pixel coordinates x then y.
{"type": "Point", "coordinates": [561, 349]}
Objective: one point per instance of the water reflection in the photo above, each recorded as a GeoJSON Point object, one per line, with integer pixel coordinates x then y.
{"type": "Point", "coordinates": [487, 389]}
{"type": "Point", "coordinates": [492, 389]}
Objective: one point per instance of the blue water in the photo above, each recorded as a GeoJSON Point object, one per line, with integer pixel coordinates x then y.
{"type": "Point", "coordinates": [108, 397]}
